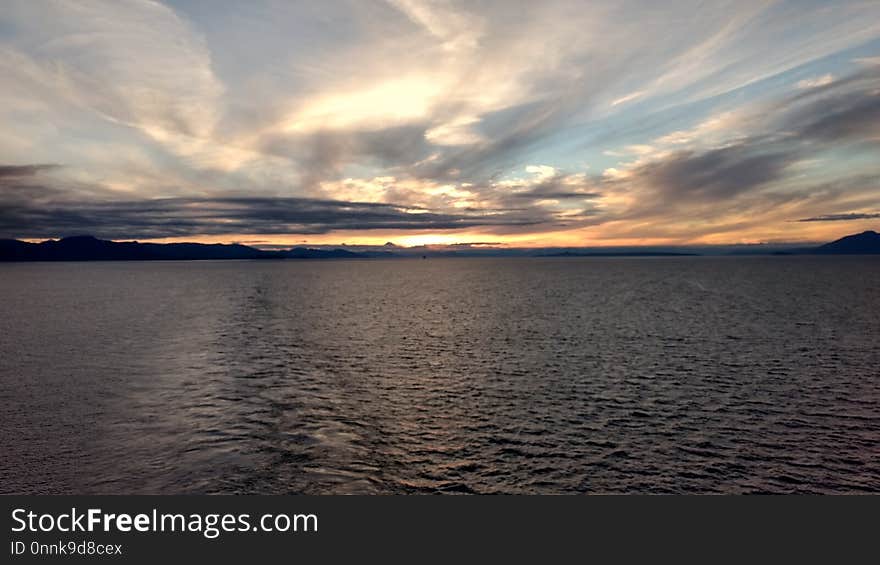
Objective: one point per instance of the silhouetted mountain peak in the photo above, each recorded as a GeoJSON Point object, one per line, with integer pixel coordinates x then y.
{"type": "Point", "coordinates": [867, 242]}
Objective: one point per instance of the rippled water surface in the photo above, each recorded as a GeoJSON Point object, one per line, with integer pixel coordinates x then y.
{"type": "Point", "coordinates": [446, 375]}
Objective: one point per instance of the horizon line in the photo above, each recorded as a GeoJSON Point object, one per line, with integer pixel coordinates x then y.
{"type": "Point", "coordinates": [464, 245]}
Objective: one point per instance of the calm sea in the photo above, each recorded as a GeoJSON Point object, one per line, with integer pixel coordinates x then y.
{"type": "Point", "coordinates": [556, 375]}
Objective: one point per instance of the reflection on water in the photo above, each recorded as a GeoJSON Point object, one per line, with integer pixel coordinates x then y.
{"type": "Point", "coordinates": [448, 375]}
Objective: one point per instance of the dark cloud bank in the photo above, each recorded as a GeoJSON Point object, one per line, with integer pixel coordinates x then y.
{"type": "Point", "coordinates": [35, 206]}
{"type": "Point", "coordinates": [746, 172]}
{"type": "Point", "coordinates": [172, 217]}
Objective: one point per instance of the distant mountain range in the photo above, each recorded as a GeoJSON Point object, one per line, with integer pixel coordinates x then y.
{"type": "Point", "coordinates": [88, 248]}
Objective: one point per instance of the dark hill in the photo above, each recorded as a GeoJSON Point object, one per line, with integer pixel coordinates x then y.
{"type": "Point", "coordinates": [865, 243]}
{"type": "Point", "coordinates": [88, 248]}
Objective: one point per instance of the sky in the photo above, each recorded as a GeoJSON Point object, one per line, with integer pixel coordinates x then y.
{"type": "Point", "coordinates": [517, 123]}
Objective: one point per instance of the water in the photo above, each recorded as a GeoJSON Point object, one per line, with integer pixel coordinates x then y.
{"type": "Point", "coordinates": [557, 375]}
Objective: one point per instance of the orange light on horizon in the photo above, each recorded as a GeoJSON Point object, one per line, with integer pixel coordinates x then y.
{"type": "Point", "coordinates": [605, 235]}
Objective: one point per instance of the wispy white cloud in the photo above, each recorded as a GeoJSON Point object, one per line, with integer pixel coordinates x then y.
{"type": "Point", "coordinates": [628, 98]}
{"type": "Point", "coordinates": [815, 82]}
